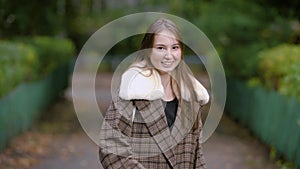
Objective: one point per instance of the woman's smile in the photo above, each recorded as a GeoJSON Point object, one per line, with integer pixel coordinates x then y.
{"type": "Point", "coordinates": [167, 64]}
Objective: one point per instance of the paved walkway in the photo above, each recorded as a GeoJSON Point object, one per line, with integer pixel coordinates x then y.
{"type": "Point", "coordinates": [230, 147]}
{"type": "Point", "coordinates": [224, 150]}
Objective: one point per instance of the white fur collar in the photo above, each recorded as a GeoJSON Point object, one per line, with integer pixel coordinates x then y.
{"type": "Point", "coordinates": [140, 84]}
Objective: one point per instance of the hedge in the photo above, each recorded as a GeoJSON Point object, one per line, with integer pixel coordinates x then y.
{"type": "Point", "coordinates": [269, 103]}
{"type": "Point", "coordinates": [23, 105]}
{"type": "Point", "coordinates": [17, 63]}
{"type": "Point", "coordinates": [279, 69]}
{"type": "Point", "coordinates": [28, 59]}
{"type": "Point", "coordinates": [31, 76]}
{"type": "Point", "coordinates": [51, 51]}
{"type": "Point", "coordinates": [272, 117]}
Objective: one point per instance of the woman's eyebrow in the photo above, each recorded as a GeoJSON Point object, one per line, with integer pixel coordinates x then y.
{"type": "Point", "coordinates": [160, 44]}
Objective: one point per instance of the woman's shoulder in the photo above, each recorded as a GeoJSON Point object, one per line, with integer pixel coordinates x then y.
{"type": "Point", "coordinates": [139, 83]}
{"type": "Point", "coordinates": [201, 92]}
{"type": "Point", "coordinates": [202, 95]}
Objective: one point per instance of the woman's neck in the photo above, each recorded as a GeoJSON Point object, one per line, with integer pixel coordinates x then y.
{"type": "Point", "coordinates": [166, 82]}
{"type": "Point", "coordinates": [165, 79]}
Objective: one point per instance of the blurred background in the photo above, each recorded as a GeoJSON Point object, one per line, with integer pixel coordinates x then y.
{"type": "Point", "coordinates": [257, 41]}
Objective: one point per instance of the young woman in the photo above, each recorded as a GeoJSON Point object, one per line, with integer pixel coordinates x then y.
{"type": "Point", "coordinates": [155, 122]}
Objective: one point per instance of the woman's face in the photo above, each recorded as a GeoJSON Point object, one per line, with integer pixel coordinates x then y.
{"type": "Point", "coordinates": [166, 52]}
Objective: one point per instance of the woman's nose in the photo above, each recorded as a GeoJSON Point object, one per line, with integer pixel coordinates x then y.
{"type": "Point", "coordinates": [168, 54]}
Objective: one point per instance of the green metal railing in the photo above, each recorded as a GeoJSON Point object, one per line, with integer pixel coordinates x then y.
{"type": "Point", "coordinates": [20, 108]}
{"type": "Point", "coordinates": [274, 118]}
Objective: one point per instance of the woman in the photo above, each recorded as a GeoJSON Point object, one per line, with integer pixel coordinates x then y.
{"type": "Point", "coordinates": [155, 121]}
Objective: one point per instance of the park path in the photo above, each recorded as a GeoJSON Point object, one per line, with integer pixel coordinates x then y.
{"type": "Point", "coordinates": [230, 147]}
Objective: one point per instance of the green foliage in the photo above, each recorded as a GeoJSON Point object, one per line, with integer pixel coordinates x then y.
{"type": "Point", "coordinates": [281, 30]}
{"type": "Point", "coordinates": [23, 17]}
{"type": "Point", "coordinates": [51, 52]}
{"type": "Point", "coordinates": [187, 9]}
{"type": "Point", "coordinates": [233, 27]}
{"type": "Point", "coordinates": [83, 24]}
{"type": "Point", "coordinates": [279, 69]}
{"type": "Point", "coordinates": [288, 8]}
{"type": "Point", "coordinates": [280, 161]}
{"type": "Point", "coordinates": [18, 62]}
{"type": "Point", "coordinates": [238, 30]}
{"type": "Point", "coordinates": [39, 57]}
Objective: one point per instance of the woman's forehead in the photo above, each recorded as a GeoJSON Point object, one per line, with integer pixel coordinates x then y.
{"type": "Point", "coordinates": [166, 32]}
{"type": "Point", "coordinates": [165, 35]}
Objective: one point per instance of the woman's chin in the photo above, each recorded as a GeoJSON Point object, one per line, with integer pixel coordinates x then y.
{"type": "Point", "coordinates": [165, 71]}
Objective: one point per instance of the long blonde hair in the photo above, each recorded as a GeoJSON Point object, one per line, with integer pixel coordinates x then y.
{"type": "Point", "coordinates": [181, 74]}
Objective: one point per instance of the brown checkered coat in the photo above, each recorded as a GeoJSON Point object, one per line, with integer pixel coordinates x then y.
{"type": "Point", "coordinates": [135, 134]}
{"type": "Point", "coordinates": [163, 149]}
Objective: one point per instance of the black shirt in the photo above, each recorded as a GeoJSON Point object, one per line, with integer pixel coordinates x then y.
{"type": "Point", "coordinates": [171, 110]}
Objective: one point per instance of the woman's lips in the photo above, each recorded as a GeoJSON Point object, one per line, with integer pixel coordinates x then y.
{"type": "Point", "coordinates": [167, 63]}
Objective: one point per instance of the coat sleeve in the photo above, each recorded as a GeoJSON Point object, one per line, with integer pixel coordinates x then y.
{"type": "Point", "coordinates": [200, 161]}
{"type": "Point", "coordinates": [114, 147]}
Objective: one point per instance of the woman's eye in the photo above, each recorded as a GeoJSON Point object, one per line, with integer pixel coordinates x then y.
{"type": "Point", "coordinates": [175, 47]}
{"type": "Point", "coordinates": [160, 48]}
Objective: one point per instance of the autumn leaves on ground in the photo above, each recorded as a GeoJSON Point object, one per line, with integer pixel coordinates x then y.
{"type": "Point", "coordinates": [26, 150]}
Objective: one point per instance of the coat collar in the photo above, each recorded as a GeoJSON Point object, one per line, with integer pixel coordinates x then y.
{"type": "Point", "coordinates": [138, 84]}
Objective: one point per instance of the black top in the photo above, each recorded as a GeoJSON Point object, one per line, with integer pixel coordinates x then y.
{"type": "Point", "coordinates": [171, 110]}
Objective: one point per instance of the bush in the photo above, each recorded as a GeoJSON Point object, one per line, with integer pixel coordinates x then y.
{"type": "Point", "coordinates": [39, 57]}
{"type": "Point", "coordinates": [51, 52]}
{"type": "Point", "coordinates": [279, 69]}
{"type": "Point", "coordinates": [18, 62]}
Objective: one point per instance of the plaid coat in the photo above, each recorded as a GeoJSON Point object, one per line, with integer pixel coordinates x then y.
{"type": "Point", "coordinates": [135, 134]}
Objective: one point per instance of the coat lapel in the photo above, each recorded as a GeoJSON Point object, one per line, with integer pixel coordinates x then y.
{"type": "Point", "coordinates": [153, 114]}
{"type": "Point", "coordinates": [184, 121]}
